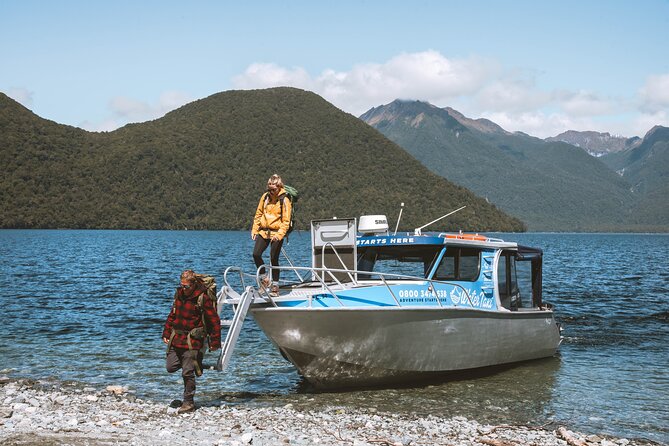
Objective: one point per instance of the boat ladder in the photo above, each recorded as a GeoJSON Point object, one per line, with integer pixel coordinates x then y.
{"type": "Point", "coordinates": [234, 327]}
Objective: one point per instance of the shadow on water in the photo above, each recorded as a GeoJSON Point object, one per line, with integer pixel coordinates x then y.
{"type": "Point", "coordinates": [511, 393]}
{"type": "Point", "coordinates": [431, 379]}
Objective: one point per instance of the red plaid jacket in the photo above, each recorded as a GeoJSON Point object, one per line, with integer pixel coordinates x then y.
{"type": "Point", "coordinates": [185, 316]}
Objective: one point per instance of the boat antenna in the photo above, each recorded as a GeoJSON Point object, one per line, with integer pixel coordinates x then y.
{"type": "Point", "coordinates": [417, 231]}
{"type": "Point", "coordinates": [399, 218]}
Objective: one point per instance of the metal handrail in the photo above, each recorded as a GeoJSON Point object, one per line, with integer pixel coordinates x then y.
{"type": "Point", "coordinates": [314, 275]}
{"type": "Point", "coordinates": [283, 251]}
{"type": "Point", "coordinates": [338, 257]}
{"type": "Point", "coordinates": [241, 275]}
{"type": "Point", "coordinates": [382, 276]}
{"type": "Point", "coordinates": [383, 279]}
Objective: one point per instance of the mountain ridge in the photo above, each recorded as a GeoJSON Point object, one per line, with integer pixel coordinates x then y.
{"type": "Point", "coordinates": [551, 185]}
{"type": "Point", "coordinates": [646, 168]}
{"type": "Point", "coordinates": [596, 143]}
{"type": "Point", "coordinates": [204, 166]}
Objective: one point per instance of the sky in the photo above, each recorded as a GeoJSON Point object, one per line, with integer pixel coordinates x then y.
{"type": "Point", "coordinates": [540, 67]}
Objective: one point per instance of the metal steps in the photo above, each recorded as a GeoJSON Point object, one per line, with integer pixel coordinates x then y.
{"type": "Point", "coordinates": [234, 327]}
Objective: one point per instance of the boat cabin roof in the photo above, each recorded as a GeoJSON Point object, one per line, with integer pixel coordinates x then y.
{"type": "Point", "coordinates": [435, 238]}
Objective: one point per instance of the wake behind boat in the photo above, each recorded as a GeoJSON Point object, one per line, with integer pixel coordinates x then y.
{"type": "Point", "coordinates": [376, 308]}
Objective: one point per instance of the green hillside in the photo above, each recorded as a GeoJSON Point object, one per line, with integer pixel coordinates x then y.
{"type": "Point", "coordinates": [552, 186]}
{"type": "Point", "coordinates": [646, 168]}
{"type": "Point", "coordinates": [205, 166]}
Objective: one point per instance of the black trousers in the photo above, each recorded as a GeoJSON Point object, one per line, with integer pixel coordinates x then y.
{"type": "Point", "coordinates": [274, 251]}
{"type": "Point", "coordinates": [184, 359]}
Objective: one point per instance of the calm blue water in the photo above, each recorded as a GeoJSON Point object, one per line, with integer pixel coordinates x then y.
{"type": "Point", "coordinates": [89, 306]}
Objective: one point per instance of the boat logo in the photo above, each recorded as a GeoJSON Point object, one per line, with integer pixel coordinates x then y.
{"type": "Point", "coordinates": [456, 294]}
{"type": "Point", "coordinates": [475, 299]}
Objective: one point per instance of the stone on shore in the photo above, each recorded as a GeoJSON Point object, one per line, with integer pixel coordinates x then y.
{"type": "Point", "coordinates": [33, 414]}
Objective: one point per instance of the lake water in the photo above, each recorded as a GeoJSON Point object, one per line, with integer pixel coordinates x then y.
{"type": "Point", "coordinates": [89, 306]}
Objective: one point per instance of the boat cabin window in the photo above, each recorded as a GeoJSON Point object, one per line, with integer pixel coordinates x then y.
{"type": "Point", "coordinates": [461, 264]}
{"type": "Point", "coordinates": [415, 261]}
{"type": "Point", "coordinates": [519, 279]}
{"type": "Point", "coordinates": [507, 284]}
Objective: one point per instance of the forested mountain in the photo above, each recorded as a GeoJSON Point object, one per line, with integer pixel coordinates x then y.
{"type": "Point", "coordinates": [549, 185]}
{"type": "Point", "coordinates": [646, 168]}
{"type": "Point", "coordinates": [205, 165]}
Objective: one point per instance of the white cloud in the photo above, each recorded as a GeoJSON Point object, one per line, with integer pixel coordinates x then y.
{"type": "Point", "coordinates": [133, 110]}
{"type": "Point", "coordinates": [477, 87]}
{"type": "Point", "coordinates": [126, 110]}
{"type": "Point", "coordinates": [511, 94]}
{"type": "Point", "coordinates": [21, 95]}
{"type": "Point", "coordinates": [646, 121]}
{"type": "Point", "coordinates": [425, 75]}
{"type": "Point", "coordinates": [584, 103]}
{"type": "Point", "coordinates": [655, 94]}
{"type": "Point", "coordinates": [536, 123]}
{"type": "Point", "coordinates": [267, 75]}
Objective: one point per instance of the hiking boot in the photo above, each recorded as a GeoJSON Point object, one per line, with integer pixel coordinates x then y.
{"type": "Point", "coordinates": [265, 282]}
{"type": "Point", "coordinates": [175, 404]}
{"type": "Point", "coordinates": [187, 406]}
{"type": "Point", "coordinates": [274, 291]}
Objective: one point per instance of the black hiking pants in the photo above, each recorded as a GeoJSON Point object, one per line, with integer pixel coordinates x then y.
{"type": "Point", "coordinates": [274, 251]}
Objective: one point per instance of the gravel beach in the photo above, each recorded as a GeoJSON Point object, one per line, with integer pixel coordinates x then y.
{"type": "Point", "coordinates": [48, 413]}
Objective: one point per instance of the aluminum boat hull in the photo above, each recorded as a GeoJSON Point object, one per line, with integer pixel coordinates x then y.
{"type": "Point", "coordinates": [352, 347]}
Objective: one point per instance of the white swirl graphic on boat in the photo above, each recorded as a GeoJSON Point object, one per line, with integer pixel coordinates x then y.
{"type": "Point", "coordinates": [476, 298]}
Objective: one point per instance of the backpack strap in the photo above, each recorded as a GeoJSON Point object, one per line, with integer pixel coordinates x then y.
{"type": "Point", "coordinates": [200, 305]}
{"type": "Point", "coordinates": [281, 198]}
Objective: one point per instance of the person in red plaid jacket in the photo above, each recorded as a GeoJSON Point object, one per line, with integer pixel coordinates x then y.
{"type": "Point", "coordinates": [192, 319]}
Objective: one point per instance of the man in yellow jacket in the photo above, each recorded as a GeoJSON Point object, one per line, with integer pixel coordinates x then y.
{"type": "Point", "coordinates": [270, 226]}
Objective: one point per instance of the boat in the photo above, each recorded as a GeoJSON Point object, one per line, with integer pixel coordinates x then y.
{"type": "Point", "coordinates": [377, 308]}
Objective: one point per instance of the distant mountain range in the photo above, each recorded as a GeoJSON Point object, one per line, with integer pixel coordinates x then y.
{"type": "Point", "coordinates": [595, 143]}
{"type": "Point", "coordinates": [645, 167]}
{"type": "Point", "coordinates": [205, 166]}
{"type": "Point", "coordinates": [550, 184]}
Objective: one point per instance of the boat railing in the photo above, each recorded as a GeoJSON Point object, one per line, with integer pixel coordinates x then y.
{"type": "Point", "coordinates": [334, 250]}
{"type": "Point", "coordinates": [265, 293]}
{"type": "Point", "coordinates": [319, 275]}
{"type": "Point", "coordinates": [290, 262]}
{"type": "Point", "coordinates": [237, 270]}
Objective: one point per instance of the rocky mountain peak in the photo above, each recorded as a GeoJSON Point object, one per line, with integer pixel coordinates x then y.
{"type": "Point", "coordinates": [481, 124]}
{"type": "Point", "coordinates": [596, 143]}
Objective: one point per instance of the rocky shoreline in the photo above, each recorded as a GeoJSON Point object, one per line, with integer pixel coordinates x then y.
{"type": "Point", "coordinates": [44, 413]}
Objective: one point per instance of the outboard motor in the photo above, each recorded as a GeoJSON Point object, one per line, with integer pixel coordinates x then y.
{"type": "Point", "coordinates": [373, 224]}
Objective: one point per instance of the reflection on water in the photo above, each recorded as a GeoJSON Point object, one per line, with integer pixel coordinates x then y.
{"type": "Point", "coordinates": [519, 394]}
{"type": "Point", "coordinates": [90, 306]}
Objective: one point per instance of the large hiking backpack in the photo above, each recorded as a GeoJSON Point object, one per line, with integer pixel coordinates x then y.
{"type": "Point", "coordinates": [209, 283]}
{"type": "Point", "coordinates": [293, 195]}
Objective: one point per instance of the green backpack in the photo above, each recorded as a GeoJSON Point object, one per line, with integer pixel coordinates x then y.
{"type": "Point", "coordinates": [293, 195]}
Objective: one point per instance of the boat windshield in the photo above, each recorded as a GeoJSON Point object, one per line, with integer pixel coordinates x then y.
{"type": "Point", "coordinates": [413, 261]}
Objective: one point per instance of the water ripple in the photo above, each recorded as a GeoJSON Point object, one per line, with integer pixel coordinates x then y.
{"type": "Point", "coordinates": [94, 302]}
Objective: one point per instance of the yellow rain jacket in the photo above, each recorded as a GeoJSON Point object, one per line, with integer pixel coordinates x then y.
{"type": "Point", "coordinates": [270, 219]}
